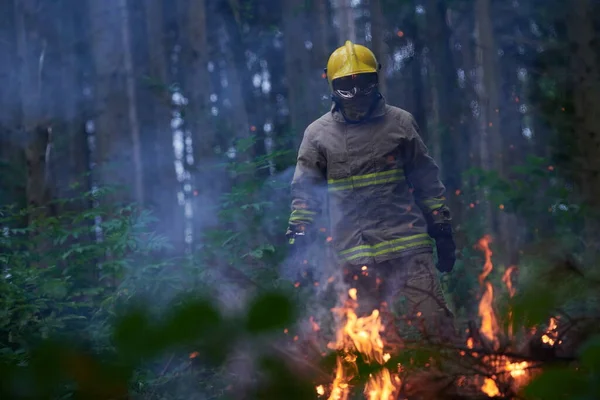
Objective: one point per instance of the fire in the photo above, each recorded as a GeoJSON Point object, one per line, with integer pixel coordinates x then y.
{"type": "Point", "coordinates": [501, 366]}
{"type": "Point", "coordinates": [489, 324]}
{"type": "Point", "coordinates": [360, 336]}
{"type": "Point", "coordinates": [380, 386]}
{"type": "Point", "coordinates": [507, 279]}
{"type": "Point", "coordinates": [490, 388]}
{"type": "Point", "coordinates": [320, 390]}
{"type": "Point", "coordinates": [470, 343]}
{"type": "Point", "coordinates": [551, 335]}
{"type": "Point", "coordinates": [314, 325]}
{"type": "Point", "coordinates": [484, 245]}
{"type": "Point", "coordinates": [517, 369]}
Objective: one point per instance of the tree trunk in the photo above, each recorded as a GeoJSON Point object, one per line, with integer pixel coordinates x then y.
{"type": "Point", "coordinates": [130, 82]}
{"type": "Point", "coordinates": [515, 147]}
{"type": "Point", "coordinates": [487, 91]}
{"type": "Point", "coordinates": [321, 32]}
{"type": "Point", "coordinates": [323, 46]}
{"type": "Point", "coordinates": [11, 159]}
{"type": "Point", "coordinates": [161, 185]}
{"type": "Point", "coordinates": [32, 46]}
{"type": "Point", "coordinates": [237, 93]}
{"type": "Point", "coordinates": [585, 80]}
{"type": "Point", "coordinates": [197, 84]}
{"type": "Point", "coordinates": [446, 132]}
{"type": "Point", "coordinates": [344, 15]}
{"type": "Point", "coordinates": [415, 79]}
{"type": "Point", "coordinates": [71, 154]}
{"type": "Point", "coordinates": [117, 151]}
{"type": "Point", "coordinates": [378, 41]}
{"type": "Point", "coordinates": [297, 66]}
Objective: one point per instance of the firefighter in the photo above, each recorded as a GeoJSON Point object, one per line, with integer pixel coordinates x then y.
{"type": "Point", "coordinates": [383, 193]}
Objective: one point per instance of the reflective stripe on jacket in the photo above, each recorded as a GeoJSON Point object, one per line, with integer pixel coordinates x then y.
{"type": "Point", "coordinates": [379, 181]}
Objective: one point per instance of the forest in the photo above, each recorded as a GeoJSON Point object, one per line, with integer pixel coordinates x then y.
{"type": "Point", "coordinates": [146, 153]}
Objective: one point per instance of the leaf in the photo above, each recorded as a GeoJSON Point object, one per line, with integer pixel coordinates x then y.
{"type": "Point", "coordinates": [188, 322]}
{"type": "Point", "coordinates": [556, 384]}
{"type": "Point", "coordinates": [590, 353]}
{"type": "Point", "coordinates": [259, 252]}
{"type": "Point", "coordinates": [282, 383]}
{"type": "Point", "coordinates": [533, 307]}
{"type": "Point", "coordinates": [133, 333]}
{"type": "Point", "coordinates": [54, 288]}
{"type": "Point", "coordinates": [270, 311]}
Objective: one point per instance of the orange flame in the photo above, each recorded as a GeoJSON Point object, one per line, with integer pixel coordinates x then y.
{"type": "Point", "coordinates": [490, 388]}
{"type": "Point", "coordinates": [507, 279]}
{"type": "Point", "coordinates": [314, 325]}
{"type": "Point", "coordinates": [489, 324]}
{"type": "Point", "coordinates": [360, 336]}
{"type": "Point", "coordinates": [551, 335]}
{"type": "Point", "coordinates": [320, 390]}
{"type": "Point", "coordinates": [484, 245]}
{"type": "Point", "coordinates": [501, 366]}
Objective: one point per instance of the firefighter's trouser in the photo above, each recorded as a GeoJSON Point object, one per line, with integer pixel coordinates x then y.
{"type": "Point", "coordinates": [408, 287]}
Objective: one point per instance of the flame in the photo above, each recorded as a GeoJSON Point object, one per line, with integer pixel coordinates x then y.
{"type": "Point", "coordinates": [502, 368]}
{"type": "Point", "coordinates": [490, 388]}
{"type": "Point", "coordinates": [360, 336]}
{"type": "Point", "coordinates": [470, 343]}
{"type": "Point", "coordinates": [379, 386]}
{"type": "Point", "coordinates": [314, 325]}
{"type": "Point", "coordinates": [517, 369]}
{"type": "Point", "coordinates": [484, 245]}
{"type": "Point", "coordinates": [507, 279]}
{"type": "Point", "coordinates": [551, 335]}
{"type": "Point", "coordinates": [489, 324]}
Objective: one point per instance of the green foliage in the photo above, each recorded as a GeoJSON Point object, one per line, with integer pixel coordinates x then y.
{"type": "Point", "coordinates": [253, 217]}
{"type": "Point", "coordinates": [193, 325]}
{"type": "Point", "coordinates": [539, 195]}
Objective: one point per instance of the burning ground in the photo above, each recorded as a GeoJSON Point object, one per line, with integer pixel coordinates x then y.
{"type": "Point", "coordinates": [513, 346]}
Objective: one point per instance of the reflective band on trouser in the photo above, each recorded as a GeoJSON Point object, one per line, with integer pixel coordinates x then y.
{"type": "Point", "coordinates": [376, 178]}
{"type": "Point", "coordinates": [386, 247]}
{"type": "Point", "coordinates": [434, 203]}
{"type": "Point", "coordinates": [302, 216]}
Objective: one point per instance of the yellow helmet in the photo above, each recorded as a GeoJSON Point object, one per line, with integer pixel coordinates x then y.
{"type": "Point", "coordinates": [350, 59]}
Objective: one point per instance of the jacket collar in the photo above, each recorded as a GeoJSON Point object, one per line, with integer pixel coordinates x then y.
{"type": "Point", "coordinates": [378, 111]}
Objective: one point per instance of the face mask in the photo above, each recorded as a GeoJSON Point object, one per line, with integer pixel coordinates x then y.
{"type": "Point", "coordinates": [357, 108]}
{"type": "Point", "coordinates": [356, 95]}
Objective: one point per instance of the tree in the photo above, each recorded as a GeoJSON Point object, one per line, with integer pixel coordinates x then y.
{"type": "Point", "coordinates": [299, 76]}
{"type": "Point", "coordinates": [32, 45]}
{"type": "Point", "coordinates": [487, 92]}
{"type": "Point", "coordinates": [378, 40]}
{"type": "Point", "coordinates": [117, 152]}
{"type": "Point", "coordinates": [585, 81]}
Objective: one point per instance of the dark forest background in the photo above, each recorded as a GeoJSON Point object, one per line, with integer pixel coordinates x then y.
{"type": "Point", "coordinates": [146, 150]}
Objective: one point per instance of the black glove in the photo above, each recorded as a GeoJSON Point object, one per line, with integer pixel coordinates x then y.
{"type": "Point", "coordinates": [446, 248]}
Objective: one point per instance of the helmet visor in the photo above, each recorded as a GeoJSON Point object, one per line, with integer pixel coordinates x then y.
{"type": "Point", "coordinates": [351, 86]}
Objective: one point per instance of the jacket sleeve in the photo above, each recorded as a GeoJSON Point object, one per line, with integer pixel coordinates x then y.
{"type": "Point", "coordinates": [423, 175]}
{"type": "Point", "coordinates": [307, 183]}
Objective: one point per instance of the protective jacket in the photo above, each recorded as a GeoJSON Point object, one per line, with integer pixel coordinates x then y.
{"type": "Point", "coordinates": [383, 189]}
